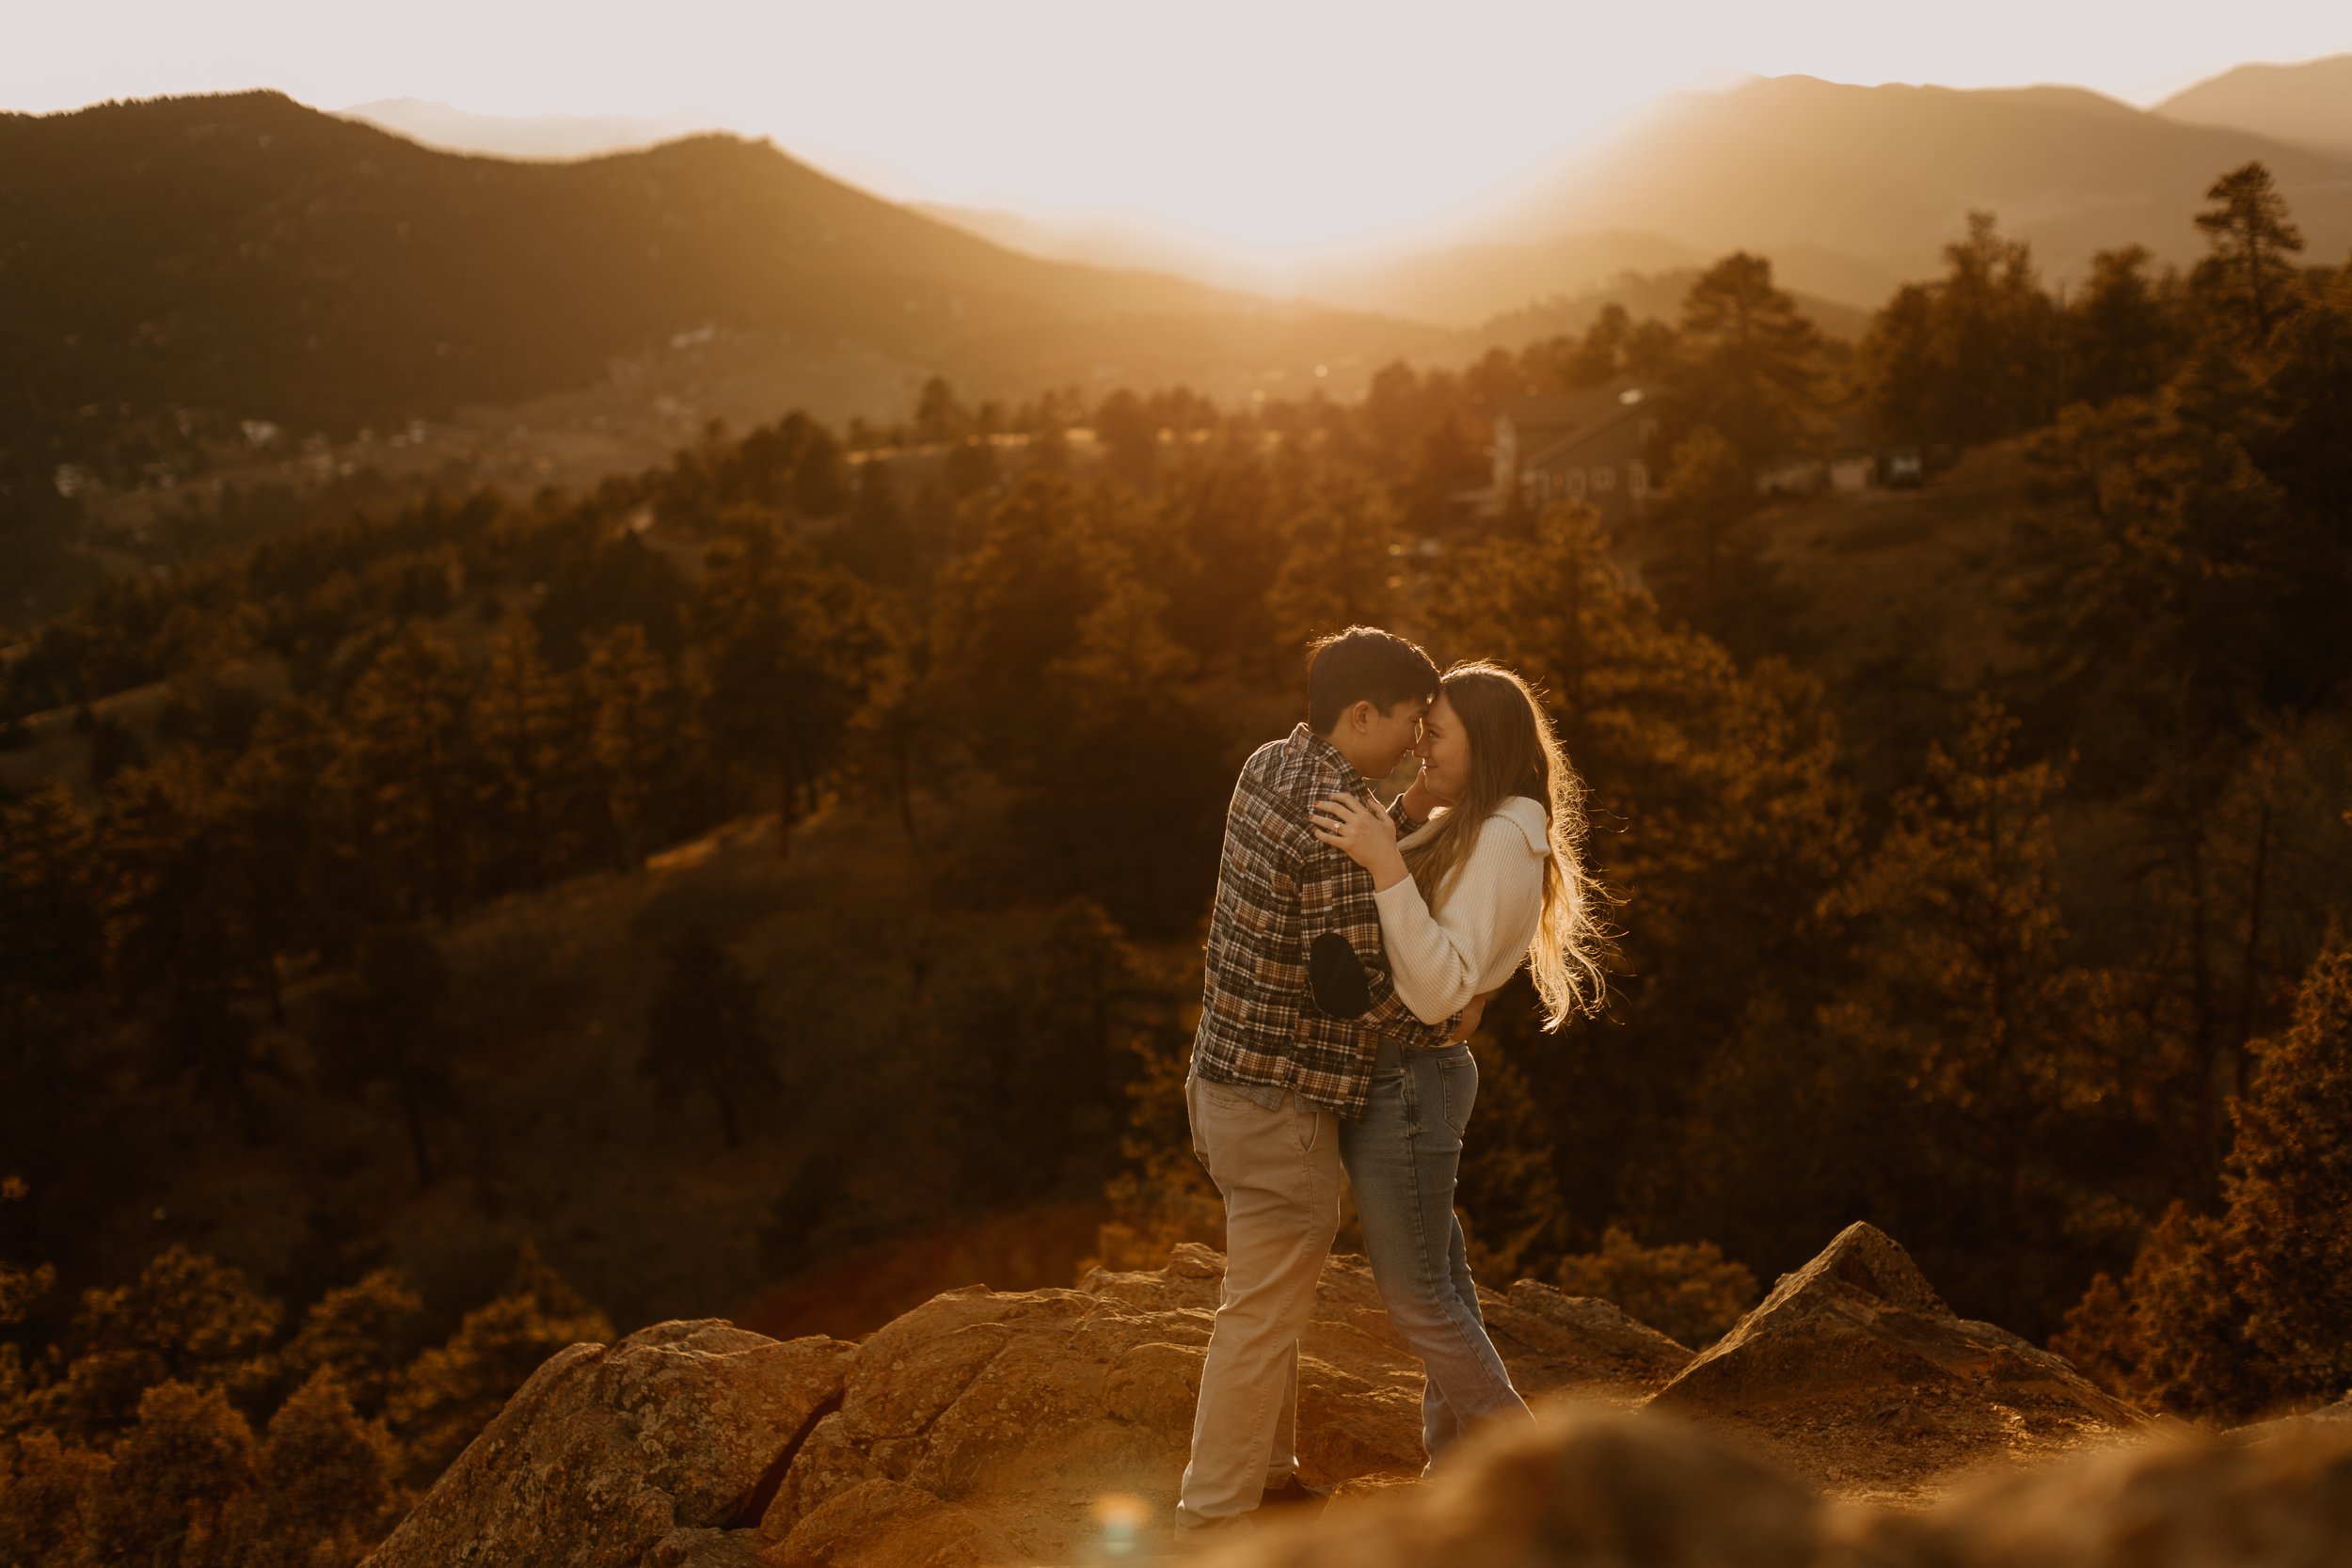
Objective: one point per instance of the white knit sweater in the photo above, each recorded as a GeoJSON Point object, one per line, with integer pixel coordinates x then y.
{"type": "Point", "coordinates": [1490, 913]}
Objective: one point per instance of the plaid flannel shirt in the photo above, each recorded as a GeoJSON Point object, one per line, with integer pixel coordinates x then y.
{"type": "Point", "coordinates": [1278, 888]}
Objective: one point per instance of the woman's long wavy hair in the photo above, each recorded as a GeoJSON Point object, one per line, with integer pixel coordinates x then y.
{"type": "Point", "coordinates": [1513, 750]}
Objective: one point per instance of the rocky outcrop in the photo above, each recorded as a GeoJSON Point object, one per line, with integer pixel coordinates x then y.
{"type": "Point", "coordinates": [1052, 1426]}
{"type": "Point", "coordinates": [1597, 1489]}
{"type": "Point", "coordinates": [1015, 1415]}
{"type": "Point", "coordinates": [1855, 1372]}
{"type": "Point", "coordinates": [979, 1428]}
{"type": "Point", "coordinates": [657, 1450]}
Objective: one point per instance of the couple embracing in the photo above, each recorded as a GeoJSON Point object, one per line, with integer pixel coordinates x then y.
{"type": "Point", "coordinates": [1351, 950]}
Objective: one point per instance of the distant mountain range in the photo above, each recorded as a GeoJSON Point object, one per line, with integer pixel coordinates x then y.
{"type": "Point", "coordinates": [246, 252]}
{"type": "Point", "coordinates": [2310, 103]}
{"type": "Point", "coordinates": [1851, 190]}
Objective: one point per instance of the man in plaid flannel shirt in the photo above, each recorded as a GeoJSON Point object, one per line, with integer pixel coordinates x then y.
{"type": "Point", "coordinates": [1273, 1069]}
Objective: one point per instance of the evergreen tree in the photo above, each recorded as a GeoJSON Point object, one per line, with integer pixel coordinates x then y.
{"type": "Point", "coordinates": [409, 769]}
{"type": "Point", "coordinates": [521, 716]}
{"type": "Point", "coordinates": [1338, 569]}
{"type": "Point", "coordinates": [2285, 1243]}
{"type": "Point", "coordinates": [1705, 557]}
{"type": "Point", "coordinates": [1750, 363]}
{"type": "Point", "coordinates": [2125, 333]}
{"type": "Point", "coordinates": [2248, 283]}
{"type": "Point", "coordinates": [1130, 436]}
{"type": "Point", "coordinates": [636, 737]}
{"type": "Point", "coordinates": [389, 1026]}
{"type": "Point", "coordinates": [704, 1031]}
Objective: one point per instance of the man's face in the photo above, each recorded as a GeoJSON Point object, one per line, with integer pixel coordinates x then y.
{"type": "Point", "coordinates": [1392, 734]}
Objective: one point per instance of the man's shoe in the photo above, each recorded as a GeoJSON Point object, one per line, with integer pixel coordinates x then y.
{"type": "Point", "coordinates": [1294, 1492]}
{"type": "Point", "coordinates": [1208, 1535]}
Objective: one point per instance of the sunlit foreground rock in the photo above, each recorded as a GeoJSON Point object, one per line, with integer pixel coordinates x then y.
{"type": "Point", "coordinates": [652, 1451]}
{"type": "Point", "coordinates": [980, 1428]}
{"type": "Point", "coordinates": [1051, 1427]}
{"type": "Point", "coordinates": [1599, 1489]}
{"type": "Point", "coordinates": [991, 1427]}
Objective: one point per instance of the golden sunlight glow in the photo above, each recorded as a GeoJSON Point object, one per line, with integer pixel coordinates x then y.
{"type": "Point", "coordinates": [1267, 126]}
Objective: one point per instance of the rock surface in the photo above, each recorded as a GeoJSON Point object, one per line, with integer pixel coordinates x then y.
{"type": "Point", "coordinates": [1022, 1412]}
{"type": "Point", "coordinates": [1854, 1373]}
{"type": "Point", "coordinates": [1600, 1489]}
{"type": "Point", "coordinates": [1052, 1426]}
{"type": "Point", "coordinates": [654, 1450]}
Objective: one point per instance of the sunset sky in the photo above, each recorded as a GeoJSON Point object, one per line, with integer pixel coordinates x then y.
{"type": "Point", "coordinates": [1265, 123]}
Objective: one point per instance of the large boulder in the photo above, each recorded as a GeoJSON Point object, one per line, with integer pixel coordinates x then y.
{"type": "Point", "coordinates": [1013, 1416]}
{"type": "Point", "coordinates": [2183, 1501]}
{"type": "Point", "coordinates": [1587, 1486]}
{"type": "Point", "coordinates": [661, 1450]}
{"type": "Point", "coordinates": [1855, 1373]}
{"type": "Point", "coordinates": [1596, 1488]}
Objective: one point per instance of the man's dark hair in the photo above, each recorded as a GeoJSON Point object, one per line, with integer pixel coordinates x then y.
{"type": "Point", "coordinates": [1363, 663]}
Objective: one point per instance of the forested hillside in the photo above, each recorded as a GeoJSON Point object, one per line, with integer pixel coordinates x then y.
{"type": "Point", "coordinates": [185, 279]}
{"type": "Point", "coordinates": [393, 825]}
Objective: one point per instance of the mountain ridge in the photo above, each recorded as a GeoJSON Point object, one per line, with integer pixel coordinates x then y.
{"type": "Point", "coordinates": [247, 251]}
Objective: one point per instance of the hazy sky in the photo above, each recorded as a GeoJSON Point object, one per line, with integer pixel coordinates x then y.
{"type": "Point", "coordinates": [1265, 122]}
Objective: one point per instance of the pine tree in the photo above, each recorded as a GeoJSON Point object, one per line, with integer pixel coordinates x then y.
{"type": "Point", "coordinates": [409, 769]}
{"type": "Point", "coordinates": [2286, 1240]}
{"type": "Point", "coordinates": [518, 717]}
{"type": "Point", "coordinates": [1750, 363]}
{"type": "Point", "coordinates": [389, 1026]}
{"type": "Point", "coordinates": [704, 1031]}
{"type": "Point", "coordinates": [2247, 282]}
{"type": "Point", "coordinates": [636, 737]}
{"type": "Point", "coordinates": [1338, 569]}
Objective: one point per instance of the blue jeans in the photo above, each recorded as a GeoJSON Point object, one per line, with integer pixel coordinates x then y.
{"type": "Point", "coordinates": [1401, 1159]}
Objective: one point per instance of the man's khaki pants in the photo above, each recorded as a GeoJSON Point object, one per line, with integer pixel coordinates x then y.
{"type": "Point", "coordinates": [1280, 1174]}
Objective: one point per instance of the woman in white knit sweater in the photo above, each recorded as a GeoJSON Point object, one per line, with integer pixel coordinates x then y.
{"type": "Point", "coordinates": [1491, 878]}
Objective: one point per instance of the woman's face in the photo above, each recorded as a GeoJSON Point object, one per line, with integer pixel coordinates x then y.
{"type": "Point", "coordinates": [1445, 750]}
